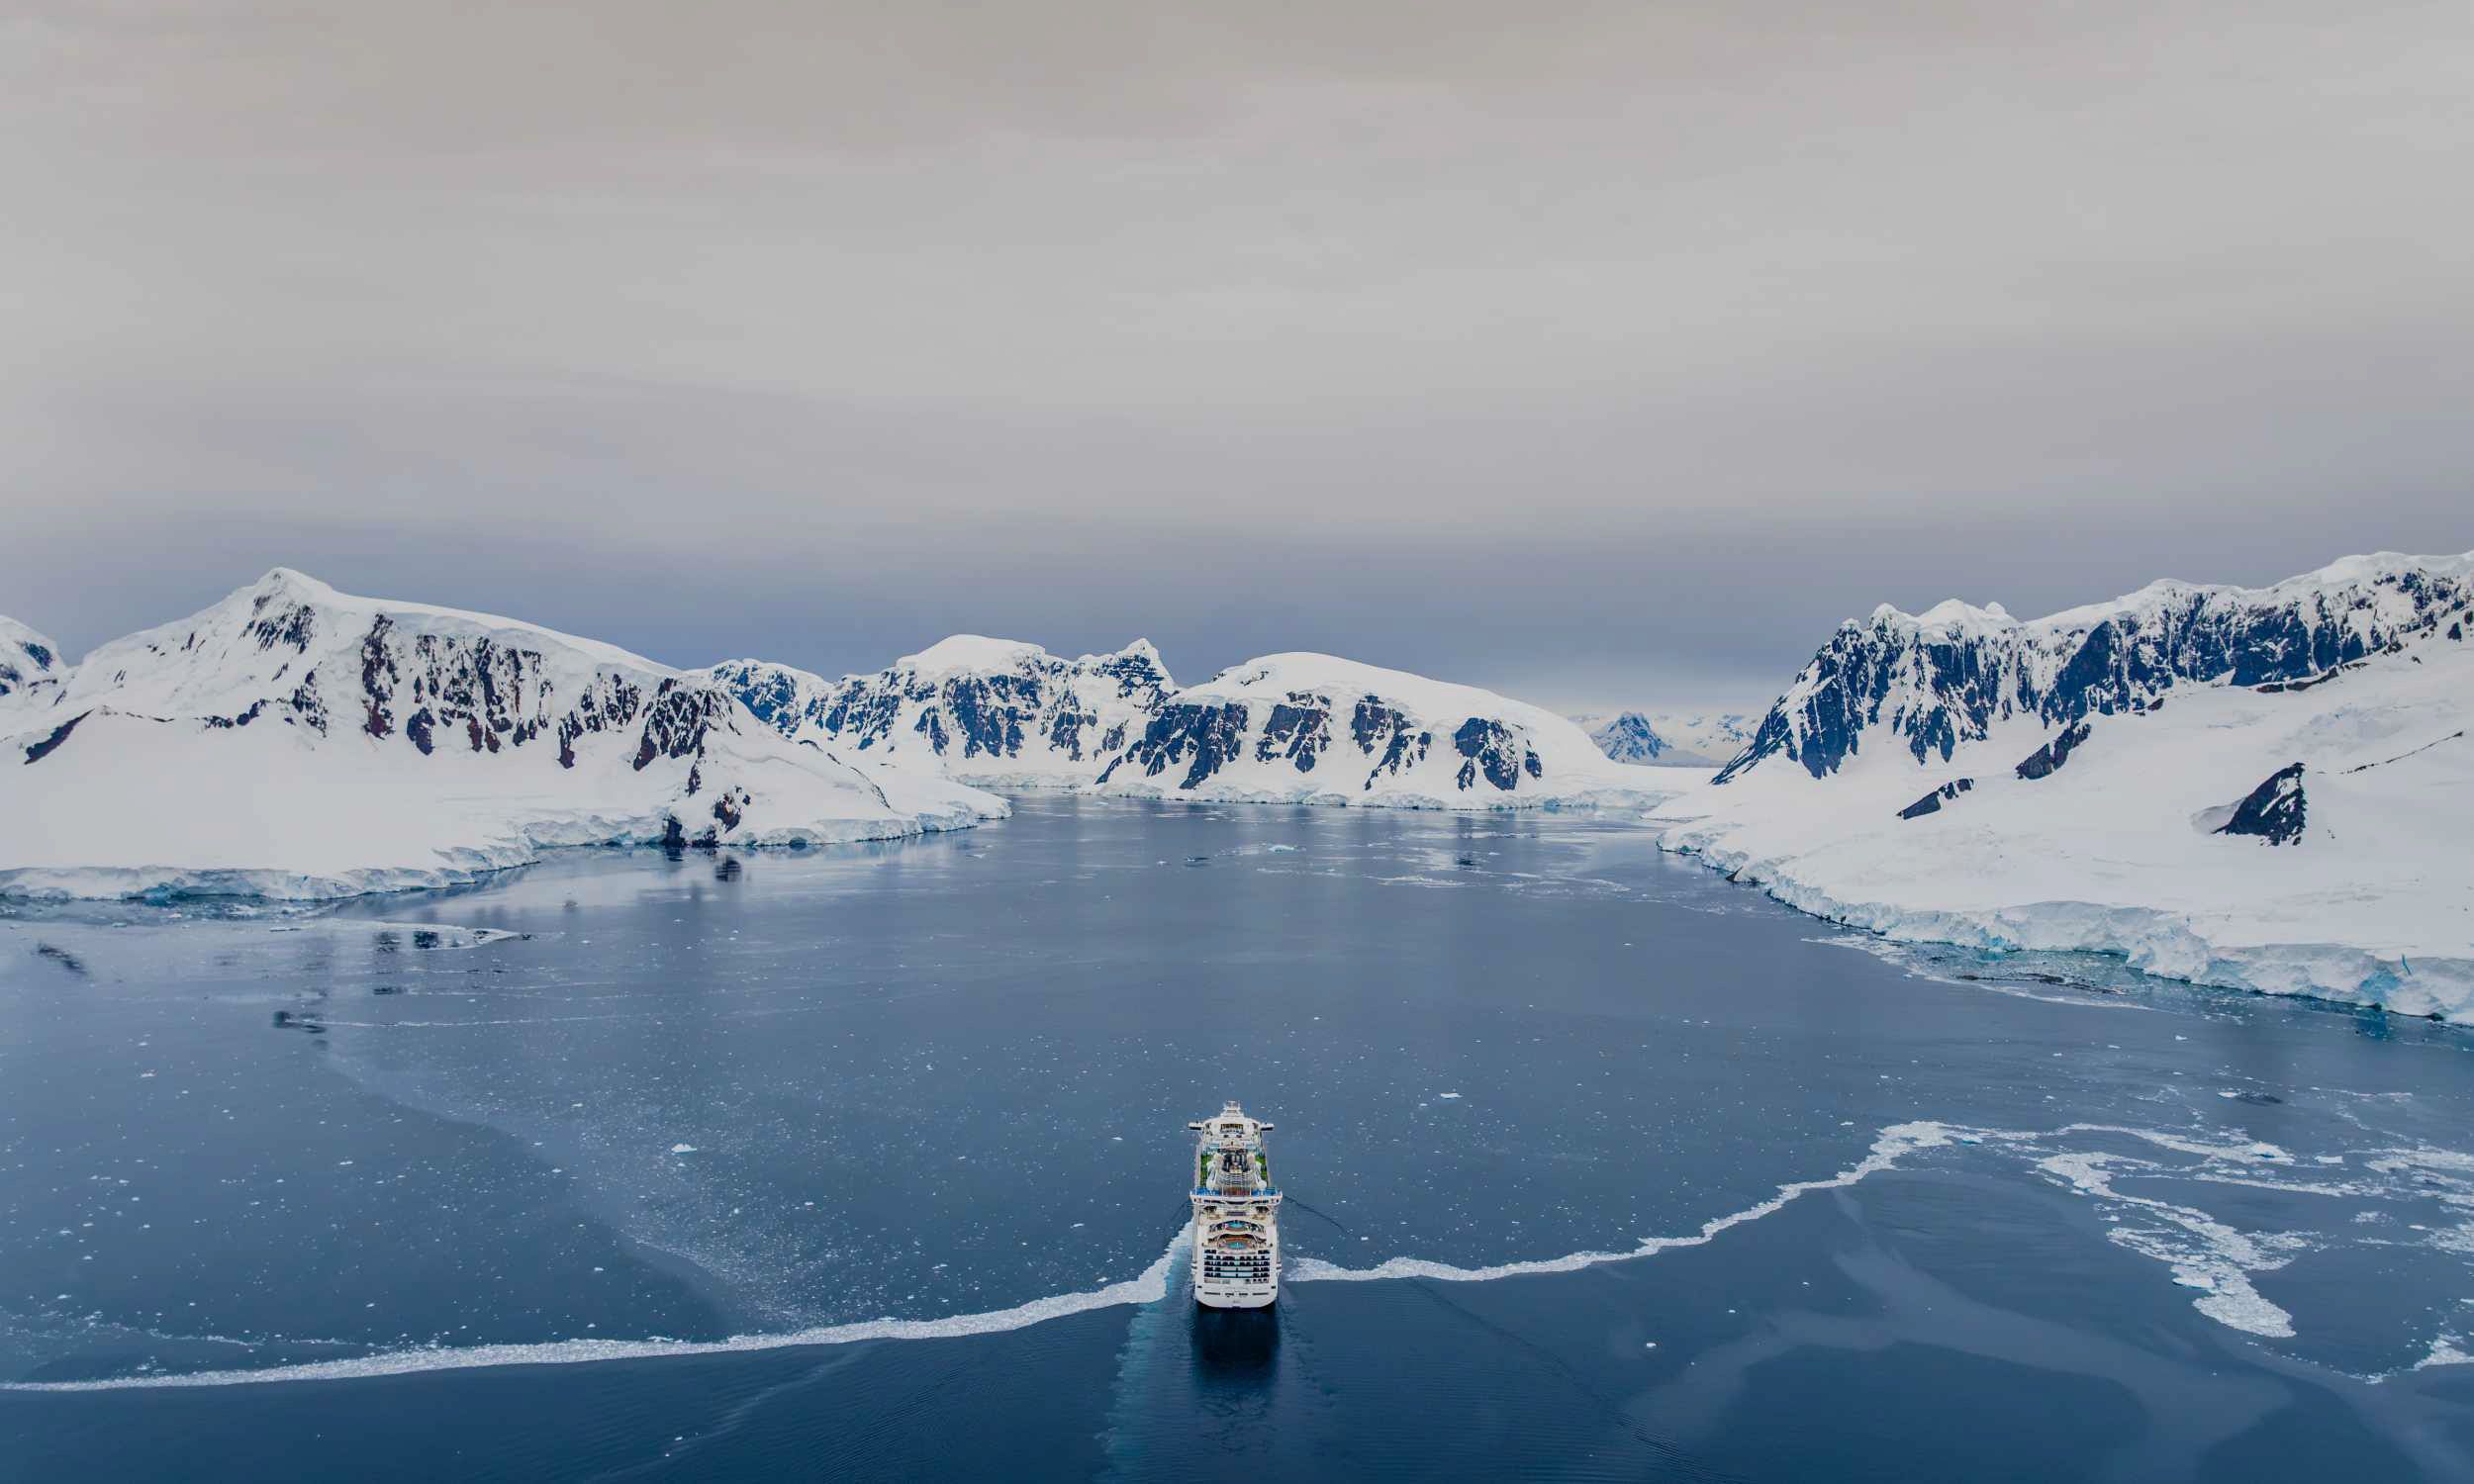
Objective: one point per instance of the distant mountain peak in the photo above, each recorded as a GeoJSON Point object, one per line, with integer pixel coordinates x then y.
{"type": "Point", "coordinates": [971, 652]}
{"type": "Point", "coordinates": [1935, 679]}
{"type": "Point", "coordinates": [1674, 739]}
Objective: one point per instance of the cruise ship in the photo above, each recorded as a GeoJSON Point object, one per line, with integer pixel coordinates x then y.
{"type": "Point", "coordinates": [1236, 1214]}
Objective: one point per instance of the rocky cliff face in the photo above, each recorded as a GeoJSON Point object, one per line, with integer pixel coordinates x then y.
{"type": "Point", "coordinates": [1931, 682]}
{"type": "Point", "coordinates": [990, 710]}
{"type": "Point", "coordinates": [1314, 728]}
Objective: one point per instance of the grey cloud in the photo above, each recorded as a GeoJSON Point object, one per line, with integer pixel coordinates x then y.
{"type": "Point", "coordinates": [1590, 350]}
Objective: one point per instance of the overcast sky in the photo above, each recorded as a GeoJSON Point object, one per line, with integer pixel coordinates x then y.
{"type": "Point", "coordinates": [1602, 354]}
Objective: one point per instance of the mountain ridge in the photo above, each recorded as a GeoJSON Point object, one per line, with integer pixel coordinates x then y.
{"type": "Point", "coordinates": [1289, 727]}
{"type": "Point", "coordinates": [294, 740]}
{"type": "Point", "coordinates": [1936, 679]}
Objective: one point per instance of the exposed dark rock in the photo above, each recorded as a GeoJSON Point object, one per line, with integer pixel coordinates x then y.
{"type": "Point", "coordinates": [307, 708]}
{"type": "Point", "coordinates": [1492, 749]}
{"type": "Point", "coordinates": [1299, 729]}
{"type": "Point", "coordinates": [1203, 736]}
{"type": "Point", "coordinates": [1403, 744]}
{"type": "Point", "coordinates": [378, 660]}
{"type": "Point", "coordinates": [2047, 758]}
{"type": "Point", "coordinates": [1931, 685]}
{"type": "Point", "coordinates": [242, 718]}
{"type": "Point", "coordinates": [1932, 802]}
{"type": "Point", "coordinates": [990, 713]}
{"type": "Point", "coordinates": [676, 722]}
{"type": "Point", "coordinates": [2274, 811]}
{"type": "Point", "coordinates": [291, 626]}
{"type": "Point", "coordinates": [50, 744]}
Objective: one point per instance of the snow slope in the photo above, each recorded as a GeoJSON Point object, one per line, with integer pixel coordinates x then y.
{"type": "Point", "coordinates": [1312, 728]}
{"type": "Point", "coordinates": [993, 711]}
{"type": "Point", "coordinates": [1669, 739]}
{"type": "Point", "coordinates": [2066, 784]}
{"type": "Point", "coordinates": [300, 742]}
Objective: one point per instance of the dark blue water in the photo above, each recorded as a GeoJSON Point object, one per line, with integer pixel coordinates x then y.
{"type": "Point", "coordinates": [627, 1193]}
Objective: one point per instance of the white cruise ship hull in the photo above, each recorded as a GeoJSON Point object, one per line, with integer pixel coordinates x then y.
{"type": "Point", "coordinates": [1235, 1299]}
{"type": "Point", "coordinates": [1236, 1245]}
{"type": "Point", "coordinates": [1243, 1279]}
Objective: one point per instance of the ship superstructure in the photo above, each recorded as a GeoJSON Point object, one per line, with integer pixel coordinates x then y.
{"type": "Point", "coordinates": [1236, 1212]}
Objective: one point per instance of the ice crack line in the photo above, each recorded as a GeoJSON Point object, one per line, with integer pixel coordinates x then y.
{"type": "Point", "coordinates": [2202, 1251]}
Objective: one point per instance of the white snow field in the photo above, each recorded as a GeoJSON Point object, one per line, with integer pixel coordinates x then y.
{"type": "Point", "coordinates": [294, 741]}
{"type": "Point", "coordinates": [2369, 901]}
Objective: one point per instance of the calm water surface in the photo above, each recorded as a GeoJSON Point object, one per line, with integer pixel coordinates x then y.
{"type": "Point", "coordinates": [1598, 1167]}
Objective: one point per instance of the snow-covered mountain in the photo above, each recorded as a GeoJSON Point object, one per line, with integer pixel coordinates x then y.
{"type": "Point", "coordinates": [2266, 787]}
{"type": "Point", "coordinates": [1286, 727]}
{"type": "Point", "coordinates": [1669, 739]}
{"type": "Point", "coordinates": [1313, 729]}
{"type": "Point", "coordinates": [993, 711]}
{"type": "Point", "coordinates": [31, 671]}
{"type": "Point", "coordinates": [295, 741]}
{"type": "Point", "coordinates": [1932, 680]}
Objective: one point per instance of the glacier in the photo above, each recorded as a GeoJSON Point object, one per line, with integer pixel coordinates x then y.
{"type": "Point", "coordinates": [2087, 767]}
{"type": "Point", "coordinates": [294, 741]}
